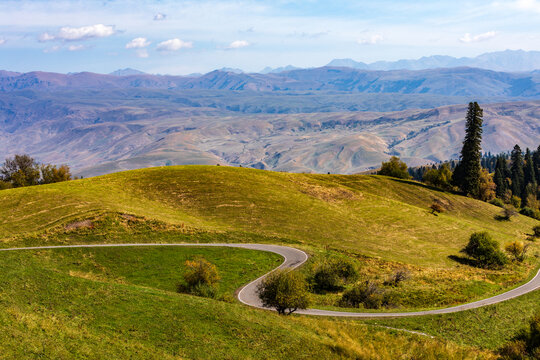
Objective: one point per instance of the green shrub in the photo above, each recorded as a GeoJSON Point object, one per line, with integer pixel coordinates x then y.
{"type": "Point", "coordinates": [526, 345]}
{"type": "Point", "coordinates": [333, 275]}
{"type": "Point", "coordinates": [397, 277]}
{"type": "Point", "coordinates": [515, 201]}
{"type": "Point", "coordinates": [497, 202]}
{"type": "Point", "coordinates": [200, 272]}
{"type": "Point", "coordinates": [527, 211]}
{"type": "Point", "coordinates": [395, 168]}
{"type": "Point", "coordinates": [514, 350]}
{"type": "Point", "coordinates": [204, 290]}
{"type": "Point", "coordinates": [507, 213]}
{"type": "Point", "coordinates": [286, 291]}
{"type": "Point", "coordinates": [517, 249]}
{"type": "Point", "coordinates": [367, 294]}
{"type": "Point", "coordinates": [485, 251]}
{"type": "Point", "coordinates": [325, 279]}
{"type": "Point", "coordinates": [200, 279]}
{"type": "Point", "coordinates": [536, 231]}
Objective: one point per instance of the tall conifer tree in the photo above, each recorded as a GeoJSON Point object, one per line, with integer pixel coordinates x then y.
{"type": "Point", "coordinates": [500, 177]}
{"type": "Point", "coordinates": [518, 176]}
{"type": "Point", "coordinates": [467, 173]}
{"type": "Point", "coordinates": [536, 163]}
{"type": "Point", "coordinates": [529, 184]}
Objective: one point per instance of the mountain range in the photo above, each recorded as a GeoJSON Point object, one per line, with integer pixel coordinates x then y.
{"type": "Point", "coordinates": [330, 119]}
{"type": "Point", "coordinates": [509, 60]}
{"type": "Point", "coordinates": [461, 81]}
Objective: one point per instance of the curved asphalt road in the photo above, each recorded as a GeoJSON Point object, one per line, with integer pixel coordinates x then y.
{"type": "Point", "coordinates": [293, 258]}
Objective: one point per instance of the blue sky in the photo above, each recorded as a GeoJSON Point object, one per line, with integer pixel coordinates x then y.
{"type": "Point", "coordinates": [182, 37]}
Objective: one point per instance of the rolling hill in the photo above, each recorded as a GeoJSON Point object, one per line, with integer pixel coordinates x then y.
{"type": "Point", "coordinates": [62, 300]}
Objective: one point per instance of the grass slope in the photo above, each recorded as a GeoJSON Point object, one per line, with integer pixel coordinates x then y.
{"type": "Point", "coordinates": [48, 312]}
{"type": "Point", "coordinates": [348, 213]}
{"type": "Point", "coordinates": [382, 223]}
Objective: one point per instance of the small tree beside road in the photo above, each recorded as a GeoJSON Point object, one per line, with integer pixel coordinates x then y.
{"type": "Point", "coordinates": [286, 291]}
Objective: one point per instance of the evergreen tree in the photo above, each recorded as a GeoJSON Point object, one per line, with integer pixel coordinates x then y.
{"type": "Point", "coordinates": [536, 163]}
{"type": "Point", "coordinates": [518, 176]}
{"type": "Point", "coordinates": [529, 183]}
{"type": "Point", "coordinates": [467, 173]}
{"type": "Point", "coordinates": [500, 177]}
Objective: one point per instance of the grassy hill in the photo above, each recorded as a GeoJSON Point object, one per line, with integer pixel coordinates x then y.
{"type": "Point", "coordinates": [51, 308]}
{"type": "Point", "coordinates": [383, 224]}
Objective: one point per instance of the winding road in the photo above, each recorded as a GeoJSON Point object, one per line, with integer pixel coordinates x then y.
{"type": "Point", "coordinates": [293, 258]}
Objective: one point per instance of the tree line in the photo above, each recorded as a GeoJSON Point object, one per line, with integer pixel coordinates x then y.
{"type": "Point", "coordinates": [23, 170]}
{"type": "Point", "coordinates": [510, 179]}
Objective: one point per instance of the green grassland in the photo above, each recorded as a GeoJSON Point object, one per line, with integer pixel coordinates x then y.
{"type": "Point", "coordinates": [110, 303]}
{"type": "Point", "coordinates": [65, 300]}
{"type": "Point", "coordinates": [383, 223]}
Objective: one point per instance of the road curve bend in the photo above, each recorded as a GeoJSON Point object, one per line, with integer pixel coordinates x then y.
{"type": "Point", "coordinates": [293, 258]}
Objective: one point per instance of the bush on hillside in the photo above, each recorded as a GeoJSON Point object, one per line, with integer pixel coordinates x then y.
{"type": "Point", "coordinates": [527, 211]}
{"type": "Point", "coordinates": [441, 177]}
{"type": "Point", "coordinates": [497, 202]}
{"type": "Point", "coordinates": [398, 277]}
{"type": "Point", "coordinates": [286, 291]}
{"type": "Point", "coordinates": [526, 345]}
{"type": "Point", "coordinates": [485, 251]}
{"type": "Point", "coordinates": [515, 201]}
{"type": "Point", "coordinates": [507, 213]}
{"type": "Point", "coordinates": [332, 275]}
{"type": "Point", "coordinates": [437, 206]}
{"type": "Point", "coordinates": [200, 278]}
{"type": "Point", "coordinates": [53, 174]}
{"type": "Point", "coordinates": [394, 168]}
{"type": "Point", "coordinates": [5, 185]}
{"type": "Point", "coordinates": [517, 249]}
{"type": "Point", "coordinates": [536, 231]}
{"type": "Point", "coordinates": [366, 294]}
{"type": "Point", "coordinates": [23, 170]}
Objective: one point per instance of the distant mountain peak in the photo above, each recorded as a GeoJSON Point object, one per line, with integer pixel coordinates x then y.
{"type": "Point", "coordinates": [127, 72]}
{"type": "Point", "coordinates": [269, 70]}
{"type": "Point", "coordinates": [231, 70]}
{"type": "Point", "coordinates": [507, 60]}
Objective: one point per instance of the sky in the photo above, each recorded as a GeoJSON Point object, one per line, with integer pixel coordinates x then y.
{"type": "Point", "coordinates": [183, 37]}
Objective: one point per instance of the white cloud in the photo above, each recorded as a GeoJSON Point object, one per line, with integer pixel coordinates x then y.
{"type": "Point", "coordinates": [237, 44]}
{"type": "Point", "coordinates": [528, 5]}
{"type": "Point", "coordinates": [138, 43]}
{"type": "Point", "coordinates": [2, 41]}
{"type": "Point", "coordinates": [372, 40]}
{"type": "Point", "coordinates": [46, 37]}
{"type": "Point", "coordinates": [468, 38]}
{"type": "Point", "coordinates": [80, 33]}
{"type": "Point", "coordinates": [52, 49]}
{"type": "Point", "coordinates": [142, 53]}
{"type": "Point", "coordinates": [76, 47]}
{"type": "Point", "coordinates": [160, 17]}
{"type": "Point", "coordinates": [174, 45]}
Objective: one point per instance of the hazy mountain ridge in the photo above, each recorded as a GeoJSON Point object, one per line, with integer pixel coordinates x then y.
{"type": "Point", "coordinates": [449, 82]}
{"type": "Point", "coordinates": [508, 60]}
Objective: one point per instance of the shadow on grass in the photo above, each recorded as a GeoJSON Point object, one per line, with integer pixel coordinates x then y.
{"type": "Point", "coordinates": [422, 185]}
{"type": "Point", "coordinates": [463, 260]}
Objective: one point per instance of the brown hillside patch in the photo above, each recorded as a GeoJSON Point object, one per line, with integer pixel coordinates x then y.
{"type": "Point", "coordinates": [329, 194]}
{"type": "Point", "coordinates": [83, 224]}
